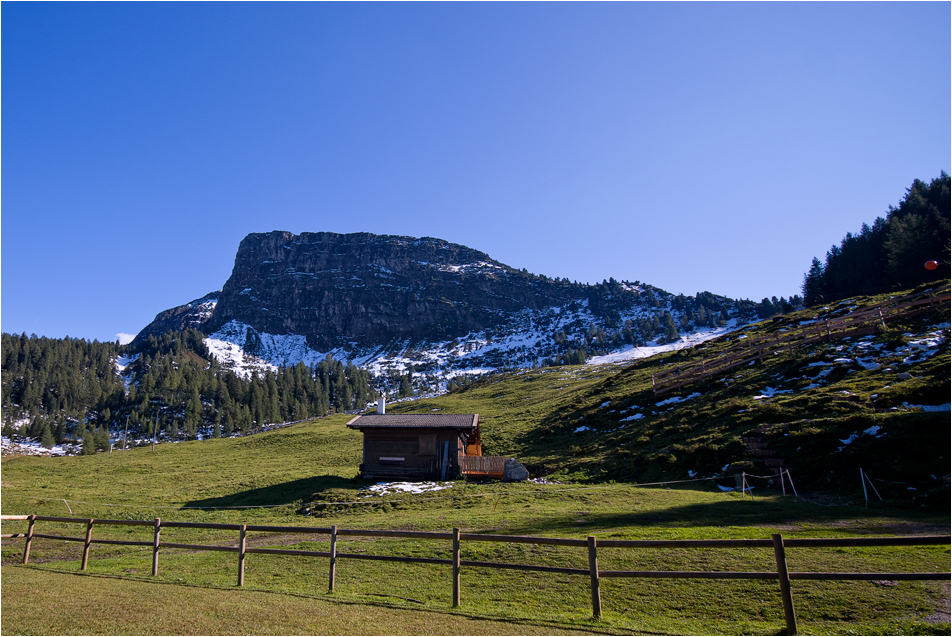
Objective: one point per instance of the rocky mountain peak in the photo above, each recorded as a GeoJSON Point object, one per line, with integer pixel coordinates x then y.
{"type": "Point", "coordinates": [362, 289]}
{"type": "Point", "coordinates": [395, 303]}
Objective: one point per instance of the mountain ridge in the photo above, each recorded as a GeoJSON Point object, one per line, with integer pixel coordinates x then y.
{"type": "Point", "coordinates": [377, 298]}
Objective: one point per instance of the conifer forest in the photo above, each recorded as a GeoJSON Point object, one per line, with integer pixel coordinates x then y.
{"type": "Point", "coordinates": [890, 254]}
{"type": "Point", "coordinates": [70, 390]}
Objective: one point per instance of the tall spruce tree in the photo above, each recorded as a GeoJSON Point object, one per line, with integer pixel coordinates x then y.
{"type": "Point", "coordinates": [813, 282]}
{"type": "Point", "coordinates": [670, 328]}
{"type": "Point", "coordinates": [46, 437]}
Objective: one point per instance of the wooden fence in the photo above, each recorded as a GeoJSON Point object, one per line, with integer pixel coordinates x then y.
{"type": "Point", "coordinates": [865, 322]}
{"type": "Point", "coordinates": [483, 466]}
{"type": "Point", "coordinates": [777, 543]}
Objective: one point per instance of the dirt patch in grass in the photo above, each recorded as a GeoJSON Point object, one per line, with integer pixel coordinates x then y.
{"type": "Point", "coordinates": [942, 612]}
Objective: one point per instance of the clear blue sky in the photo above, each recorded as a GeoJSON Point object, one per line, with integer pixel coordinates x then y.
{"type": "Point", "coordinates": [692, 146]}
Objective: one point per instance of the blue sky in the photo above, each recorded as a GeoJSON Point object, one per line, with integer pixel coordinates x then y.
{"type": "Point", "coordinates": [691, 146]}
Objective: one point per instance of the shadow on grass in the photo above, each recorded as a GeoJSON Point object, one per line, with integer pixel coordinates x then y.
{"type": "Point", "coordinates": [275, 494]}
{"type": "Point", "coordinates": [761, 512]}
{"type": "Point", "coordinates": [586, 627]}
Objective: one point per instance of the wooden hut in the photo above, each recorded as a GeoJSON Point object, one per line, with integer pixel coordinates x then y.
{"type": "Point", "coordinates": [417, 446]}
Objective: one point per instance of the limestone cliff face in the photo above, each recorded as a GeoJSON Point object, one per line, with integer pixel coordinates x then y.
{"type": "Point", "coordinates": [366, 289]}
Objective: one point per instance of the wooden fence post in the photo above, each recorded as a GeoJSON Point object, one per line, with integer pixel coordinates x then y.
{"type": "Point", "coordinates": [29, 540]}
{"type": "Point", "coordinates": [455, 567]}
{"type": "Point", "coordinates": [593, 573]}
{"type": "Point", "coordinates": [241, 555]}
{"type": "Point", "coordinates": [330, 583]}
{"type": "Point", "coordinates": [155, 547]}
{"type": "Point", "coordinates": [789, 615]}
{"type": "Point", "coordinates": [87, 543]}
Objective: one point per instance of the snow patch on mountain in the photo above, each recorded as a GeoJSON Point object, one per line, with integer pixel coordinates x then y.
{"type": "Point", "coordinates": [28, 447]}
{"type": "Point", "coordinates": [523, 339]}
{"type": "Point", "coordinates": [204, 310]}
{"type": "Point", "coordinates": [632, 352]}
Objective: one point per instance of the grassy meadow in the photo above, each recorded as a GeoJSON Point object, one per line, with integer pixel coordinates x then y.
{"type": "Point", "coordinates": [305, 475]}
{"type": "Point", "coordinates": [308, 472]}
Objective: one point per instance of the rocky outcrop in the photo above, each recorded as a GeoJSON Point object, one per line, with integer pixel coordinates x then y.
{"type": "Point", "coordinates": [194, 315]}
{"type": "Point", "coordinates": [342, 290]}
{"type": "Point", "coordinates": [364, 294]}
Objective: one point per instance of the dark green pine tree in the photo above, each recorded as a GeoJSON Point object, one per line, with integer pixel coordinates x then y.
{"type": "Point", "coordinates": [89, 444]}
{"type": "Point", "coordinates": [193, 412]}
{"type": "Point", "coordinates": [685, 321]}
{"type": "Point", "coordinates": [406, 389]}
{"type": "Point", "coordinates": [700, 317]}
{"type": "Point", "coordinates": [627, 335]}
{"type": "Point", "coordinates": [813, 283]}
{"type": "Point", "coordinates": [909, 244]}
{"type": "Point", "coordinates": [46, 437]}
{"type": "Point", "coordinates": [670, 328]}
{"type": "Point", "coordinates": [101, 438]}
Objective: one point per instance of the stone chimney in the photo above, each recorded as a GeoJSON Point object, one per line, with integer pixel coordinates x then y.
{"type": "Point", "coordinates": [381, 405]}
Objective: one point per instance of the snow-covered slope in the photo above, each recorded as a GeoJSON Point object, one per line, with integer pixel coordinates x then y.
{"type": "Point", "coordinates": [530, 338]}
{"type": "Point", "coordinates": [396, 305]}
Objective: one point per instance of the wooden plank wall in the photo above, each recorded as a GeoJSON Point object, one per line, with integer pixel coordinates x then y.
{"type": "Point", "coordinates": [420, 448]}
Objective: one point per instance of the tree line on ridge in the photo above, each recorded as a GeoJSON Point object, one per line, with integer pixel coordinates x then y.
{"type": "Point", "coordinates": [891, 253]}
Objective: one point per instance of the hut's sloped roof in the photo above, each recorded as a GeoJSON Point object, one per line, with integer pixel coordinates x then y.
{"type": "Point", "coordinates": [435, 421]}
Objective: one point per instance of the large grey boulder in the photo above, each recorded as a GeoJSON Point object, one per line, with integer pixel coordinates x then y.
{"type": "Point", "coordinates": [513, 471]}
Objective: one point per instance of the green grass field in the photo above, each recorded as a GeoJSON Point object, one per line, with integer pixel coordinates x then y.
{"type": "Point", "coordinates": [306, 475]}
{"type": "Point", "coordinates": [307, 471]}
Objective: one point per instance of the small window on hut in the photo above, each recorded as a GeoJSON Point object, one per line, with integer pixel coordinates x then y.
{"type": "Point", "coordinates": [391, 460]}
{"type": "Point", "coordinates": [428, 444]}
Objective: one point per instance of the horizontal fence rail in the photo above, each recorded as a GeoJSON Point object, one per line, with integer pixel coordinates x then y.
{"type": "Point", "coordinates": [862, 323]}
{"type": "Point", "coordinates": [483, 466]}
{"type": "Point", "coordinates": [776, 542]}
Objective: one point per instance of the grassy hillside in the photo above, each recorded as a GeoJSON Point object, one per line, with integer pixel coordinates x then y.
{"type": "Point", "coordinates": [576, 421]}
{"type": "Point", "coordinates": [596, 424]}
{"type": "Point", "coordinates": [305, 474]}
